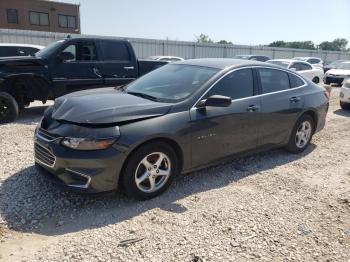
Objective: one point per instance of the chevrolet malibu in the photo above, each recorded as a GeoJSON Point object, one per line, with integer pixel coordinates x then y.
{"type": "Point", "coordinates": [179, 118]}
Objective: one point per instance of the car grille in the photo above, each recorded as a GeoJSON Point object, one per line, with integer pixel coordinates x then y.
{"type": "Point", "coordinates": [44, 156]}
{"type": "Point", "coordinates": [46, 135]}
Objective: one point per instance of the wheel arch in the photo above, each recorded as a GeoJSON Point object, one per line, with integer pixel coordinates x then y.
{"type": "Point", "coordinates": [171, 142]}
{"type": "Point", "coordinates": [313, 114]}
{"type": "Point", "coordinates": [26, 87]}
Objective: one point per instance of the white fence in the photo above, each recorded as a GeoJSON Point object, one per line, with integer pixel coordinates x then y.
{"type": "Point", "coordinates": [148, 47]}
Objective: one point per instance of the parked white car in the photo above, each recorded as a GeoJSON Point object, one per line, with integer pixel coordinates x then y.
{"type": "Point", "coordinates": [7, 50]}
{"type": "Point", "coordinates": [338, 75]}
{"type": "Point", "coordinates": [315, 74]}
{"type": "Point", "coordinates": [345, 95]}
{"type": "Point", "coordinates": [314, 61]}
{"type": "Point", "coordinates": [166, 58]}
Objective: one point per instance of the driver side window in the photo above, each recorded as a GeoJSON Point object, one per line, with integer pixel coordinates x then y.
{"type": "Point", "coordinates": [238, 84]}
{"type": "Point", "coordinates": [82, 51]}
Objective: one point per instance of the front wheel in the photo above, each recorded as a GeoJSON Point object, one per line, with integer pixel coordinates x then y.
{"type": "Point", "coordinates": [149, 171]}
{"type": "Point", "coordinates": [8, 108]}
{"type": "Point", "coordinates": [344, 105]}
{"type": "Point", "coordinates": [301, 135]}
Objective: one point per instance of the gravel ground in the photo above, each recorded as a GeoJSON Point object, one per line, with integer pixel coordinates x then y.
{"type": "Point", "coordinates": [273, 206]}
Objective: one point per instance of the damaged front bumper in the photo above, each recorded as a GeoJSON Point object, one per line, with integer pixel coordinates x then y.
{"type": "Point", "coordinates": [83, 171]}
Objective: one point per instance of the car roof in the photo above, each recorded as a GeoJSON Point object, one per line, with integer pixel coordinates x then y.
{"type": "Point", "coordinates": [289, 61]}
{"type": "Point", "coordinates": [22, 45]}
{"type": "Point", "coordinates": [222, 63]}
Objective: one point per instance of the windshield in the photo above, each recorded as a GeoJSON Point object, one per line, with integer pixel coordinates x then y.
{"type": "Point", "coordinates": [279, 63]}
{"type": "Point", "coordinates": [171, 83]}
{"type": "Point", "coordinates": [242, 56]}
{"type": "Point", "coordinates": [345, 66]}
{"type": "Point", "coordinates": [335, 64]}
{"type": "Point", "coordinates": [300, 58]}
{"type": "Point", "coordinates": [47, 51]}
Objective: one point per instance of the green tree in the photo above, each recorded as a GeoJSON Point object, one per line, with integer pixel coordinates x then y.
{"type": "Point", "coordinates": [295, 44]}
{"type": "Point", "coordinates": [224, 42]}
{"type": "Point", "coordinates": [339, 44]}
{"type": "Point", "coordinates": [202, 38]}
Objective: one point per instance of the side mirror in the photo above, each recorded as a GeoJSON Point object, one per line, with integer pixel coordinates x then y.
{"type": "Point", "coordinates": [215, 101]}
{"type": "Point", "coordinates": [293, 69]}
{"type": "Point", "coordinates": [66, 56]}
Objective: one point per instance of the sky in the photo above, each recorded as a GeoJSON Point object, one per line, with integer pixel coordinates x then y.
{"type": "Point", "coordinates": [251, 22]}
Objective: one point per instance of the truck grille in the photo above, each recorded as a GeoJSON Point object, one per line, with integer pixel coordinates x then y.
{"type": "Point", "coordinates": [44, 156]}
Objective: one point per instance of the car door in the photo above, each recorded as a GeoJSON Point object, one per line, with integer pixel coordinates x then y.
{"type": "Point", "coordinates": [80, 72]}
{"type": "Point", "coordinates": [119, 65]}
{"type": "Point", "coordinates": [218, 132]}
{"type": "Point", "coordinates": [281, 103]}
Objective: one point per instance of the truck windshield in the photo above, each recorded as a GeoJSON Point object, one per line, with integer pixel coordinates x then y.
{"type": "Point", "coordinates": [47, 51]}
{"type": "Point", "coordinates": [171, 83]}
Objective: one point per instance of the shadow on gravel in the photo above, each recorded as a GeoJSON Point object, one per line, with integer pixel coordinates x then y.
{"type": "Point", "coordinates": [28, 203]}
{"type": "Point", "coordinates": [342, 112]}
{"type": "Point", "coordinates": [31, 115]}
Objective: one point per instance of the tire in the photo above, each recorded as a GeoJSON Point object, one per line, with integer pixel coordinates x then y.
{"type": "Point", "coordinates": [295, 144]}
{"type": "Point", "coordinates": [316, 80]}
{"type": "Point", "coordinates": [8, 108]}
{"type": "Point", "coordinates": [345, 106]}
{"type": "Point", "coordinates": [135, 169]}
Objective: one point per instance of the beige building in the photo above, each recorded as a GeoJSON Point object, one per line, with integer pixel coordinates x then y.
{"type": "Point", "coordinates": [39, 15]}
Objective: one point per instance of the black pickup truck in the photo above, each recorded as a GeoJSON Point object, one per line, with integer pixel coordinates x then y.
{"type": "Point", "coordinates": [66, 66]}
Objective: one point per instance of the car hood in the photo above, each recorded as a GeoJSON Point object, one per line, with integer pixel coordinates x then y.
{"type": "Point", "coordinates": [338, 72]}
{"type": "Point", "coordinates": [105, 106]}
{"type": "Point", "coordinates": [20, 60]}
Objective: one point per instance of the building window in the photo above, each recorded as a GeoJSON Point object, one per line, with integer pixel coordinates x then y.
{"type": "Point", "coordinates": [67, 21]}
{"type": "Point", "coordinates": [36, 18]}
{"type": "Point", "coordinates": [12, 16]}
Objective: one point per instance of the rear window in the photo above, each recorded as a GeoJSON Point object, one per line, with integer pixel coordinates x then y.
{"type": "Point", "coordinates": [115, 51]}
{"type": "Point", "coordinates": [273, 80]}
{"type": "Point", "coordinates": [7, 51]}
{"type": "Point", "coordinates": [295, 81]}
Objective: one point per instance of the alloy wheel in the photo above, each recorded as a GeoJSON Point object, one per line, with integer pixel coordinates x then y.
{"type": "Point", "coordinates": [153, 172]}
{"type": "Point", "coordinates": [303, 134]}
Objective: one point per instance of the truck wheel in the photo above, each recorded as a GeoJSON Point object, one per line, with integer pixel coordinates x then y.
{"type": "Point", "coordinates": [8, 108]}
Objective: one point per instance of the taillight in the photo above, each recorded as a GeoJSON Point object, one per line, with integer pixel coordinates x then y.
{"type": "Point", "coordinates": [327, 94]}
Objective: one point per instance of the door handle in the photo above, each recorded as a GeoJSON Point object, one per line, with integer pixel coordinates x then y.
{"type": "Point", "coordinates": [253, 108]}
{"type": "Point", "coordinates": [96, 72]}
{"type": "Point", "coordinates": [294, 99]}
{"type": "Point", "coordinates": [129, 67]}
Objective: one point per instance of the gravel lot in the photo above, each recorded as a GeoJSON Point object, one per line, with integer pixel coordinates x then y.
{"type": "Point", "coordinates": [269, 207]}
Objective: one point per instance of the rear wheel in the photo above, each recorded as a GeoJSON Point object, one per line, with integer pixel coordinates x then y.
{"type": "Point", "coordinates": [344, 105]}
{"type": "Point", "coordinates": [316, 80]}
{"type": "Point", "coordinates": [149, 171]}
{"type": "Point", "coordinates": [8, 108]}
{"type": "Point", "coordinates": [301, 135]}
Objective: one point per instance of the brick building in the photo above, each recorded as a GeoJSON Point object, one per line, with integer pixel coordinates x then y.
{"type": "Point", "coordinates": [39, 15]}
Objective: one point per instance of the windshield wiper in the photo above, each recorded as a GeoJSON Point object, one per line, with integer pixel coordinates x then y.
{"type": "Point", "coordinates": [143, 95]}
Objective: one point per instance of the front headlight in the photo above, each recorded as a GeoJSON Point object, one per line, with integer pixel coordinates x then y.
{"type": "Point", "coordinates": [88, 143]}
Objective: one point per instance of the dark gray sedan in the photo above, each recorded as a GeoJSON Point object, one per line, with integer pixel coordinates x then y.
{"type": "Point", "coordinates": [178, 118]}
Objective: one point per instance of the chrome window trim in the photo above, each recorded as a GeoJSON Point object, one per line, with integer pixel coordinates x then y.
{"type": "Point", "coordinates": [260, 95]}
